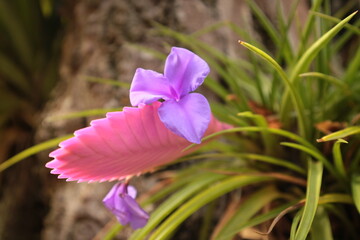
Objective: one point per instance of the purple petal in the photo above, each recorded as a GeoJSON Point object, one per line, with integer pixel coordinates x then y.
{"type": "Point", "coordinates": [132, 191]}
{"type": "Point", "coordinates": [188, 118]}
{"type": "Point", "coordinates": [148, 86]}
{"type": "Point", "coordinates": [138, 217]}
{"type": "Point", "coordinates": [121, 203]}
{"type": "Point", "coordinates": [109, 198]}
{"type": "Point", "coordinates": [116, 204]}
{"type": "Point", "coordinates": [185, 70]}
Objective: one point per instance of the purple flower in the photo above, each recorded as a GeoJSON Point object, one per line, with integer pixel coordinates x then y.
{"type": "Point", "coordinates": [185, 114]}
{"type": "Point", "coordinates": [121, 202]}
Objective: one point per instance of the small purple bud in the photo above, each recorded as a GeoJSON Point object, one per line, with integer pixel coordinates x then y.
{"type": "Point", "coordinates": [121, 202]}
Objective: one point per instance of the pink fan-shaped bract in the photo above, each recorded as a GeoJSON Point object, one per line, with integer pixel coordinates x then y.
{"type": "Point", "coordinates": [121, 145]}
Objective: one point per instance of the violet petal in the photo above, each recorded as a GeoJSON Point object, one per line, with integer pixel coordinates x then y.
{"type": "Point", "coordinates": [121, 203]}
{"type": "Point", "coordinates": [138, 217]}
{"type": "Point", "coordinates": [185, 70]}
{"type": "Point", "coordinates": [188, 118]}
{"type": "Point", "coordinates": [148, 86]}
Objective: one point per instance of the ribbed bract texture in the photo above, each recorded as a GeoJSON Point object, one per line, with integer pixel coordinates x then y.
{"type": "Point", "coordinates": [121, 145]}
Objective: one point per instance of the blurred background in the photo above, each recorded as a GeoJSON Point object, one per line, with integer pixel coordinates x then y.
{"type": "Point", "coordinates": [50, 53]}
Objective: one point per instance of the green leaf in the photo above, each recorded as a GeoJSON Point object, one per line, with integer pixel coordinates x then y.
{"type": "Point", "coordinates": [309, 26]}
{"type": "Point", "coordinates": [86, 113]}
{"type": "Point", "coordinates": [336, 20]}
{"type": "Point", "coordinates": [355, 188]}
{"type": "Point", "coordinates": [306, 59]}
{"type": "Point", "coordinates": [17, 33]}
{"type": "Point", "coordinates": [270, 142]}
{"type": "Point", "coordinates": [155, 53]}
{"type": "Point", "coordinates": [265, 216]}
{"type": "Point", "coordinates": [295, 224]}
{"type": "Point", "coordinates": [32, 150]}
{"type": "Point", "coordinates": [252, 156]}
{"type": "Point", "coordinates": [108, 81]}
{"type": "Point", "coordinates": [198, 182]}
{"type": "Point", "coordinates": [201, 199]}
{"type": "Point", "coordinates": [114, 230]}
{"type": "Point", "coordinates": [247, 210]}
{"type": "Point", "coordinates": [340, 134]}
{"type": "Point", "coordinates": [302, 122]}
{"type": "Point", "coordinates": [338, 161]}
{"type": "Point", "coordinates": [336, 198]}
{"type": "Point", "coordinates": [14, 75]}
{"type": "Point", "coordinates": [321, 227]}
{"type": "Point", "coordinates": [352, 69]}
{"type": "Point", "coordinates": [328, 78]}
{"type": "Point", "coordinates": [279, 132]}
{"type": "Point", "coordinates": [265, 22]}
{"type": "Point", "coordinates": [312, 199]}
{"type": "Point", "coordinates": [314, 153]}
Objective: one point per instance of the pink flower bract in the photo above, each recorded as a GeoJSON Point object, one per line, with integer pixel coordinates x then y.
{"type": "Point", "coordinates": [121, 145]}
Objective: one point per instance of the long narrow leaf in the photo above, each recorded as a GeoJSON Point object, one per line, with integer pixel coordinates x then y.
{"type": "Point", "coordinates": [321, 228]}
{"type": "Point", "coordinates": [252, 156]}
{"type": "Point", "coordinates": [246, 210]}
{"type": "Point", "coordinates": [279, 132]}
{"type": "Point", "coordinates": [312, 199]}
{"type": "Point", "coordinates": [313, 153]}
{"type": "Point", "coordinates": [355, 187]}
{"type": "Point", "coordinates": [198, 182]}
{"type": "Point", "coordinates": [295, 224]}
{"type": "Point", "coordinates": [32, 150]}
{"type": "Point", "coordinates": [302, 122]}
{"type": "Point", "coordinates": [328, 78]}
{"type": "Point", "coordinates": [308, 56]}
{"type": "Point", "coordinates": [340, 134]}
{"type": "Point", "coordinates": [112, 82]}
{"type": "Point", "coordinates": [338, 161]}
{"type": "Point", "coordinates": [200, 200]}
{"type": "Point", "coordinates": [86, 113]}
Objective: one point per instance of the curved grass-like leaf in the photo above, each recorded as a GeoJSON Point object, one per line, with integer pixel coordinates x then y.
{"type": "Point", "coordinates": [265, 216]}
{"type": "Point", "coordinates": [252, 156]}
{"type": "Point", "coordinates": [121, 145]}
{"type": "Point", "coordinates": [321, 228]}
{"type": "Point", "coordinates": [355, 188]}
{"type": "Point", "coordinates": [340, 134]}
{"type": "Point", "coordinates": [316, 154]}
{"type": "Point", "coordinates": [31, 151]}
{"type": "Point", "coordinates": [208, 195]}
{"type": "Point", "coordinates": [308, 56]}
{"type": "Point", "coordinates": [327, 78]}
{"type": "Point", "coordinates": [85, 113]}
{"type": "Point", "coordinates": [112, 82]}
{"type": "Point", "coordinates": [299, 106]}
{"type": "Point", "coordinates": [246, 210]}
{"type": "Point", "coordinates": [312, 199]}
{"type": "Point", "coordinates": [198, 182]}
{"type": "Point", "coordinates": [295, 224]}
{"type": "Point", "coordinates": [279, 132]}
{"type": "Point", "coordinates": [338, 161]}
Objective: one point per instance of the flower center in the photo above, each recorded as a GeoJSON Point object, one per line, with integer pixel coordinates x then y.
{"type": "Point", "coordinates": [174, 94]}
